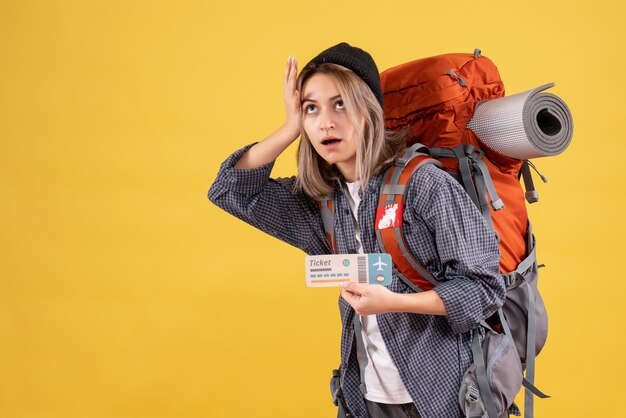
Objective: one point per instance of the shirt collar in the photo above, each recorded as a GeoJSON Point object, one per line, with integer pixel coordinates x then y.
{"type": "Point", "coordinates": [372, 187]}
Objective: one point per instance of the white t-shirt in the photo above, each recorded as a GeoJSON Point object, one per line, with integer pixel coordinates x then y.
{"type": "Point", "coordinates": [382, 378]}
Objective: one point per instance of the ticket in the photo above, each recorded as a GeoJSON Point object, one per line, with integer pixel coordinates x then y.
{"type": "Point", "coordinates": [334, 269]}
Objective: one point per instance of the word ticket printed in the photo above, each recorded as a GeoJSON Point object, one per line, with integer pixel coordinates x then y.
{"type": "Point", "coordinates": [334, 269]}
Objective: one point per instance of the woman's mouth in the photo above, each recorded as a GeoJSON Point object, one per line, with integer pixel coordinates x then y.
{"type": "Point", "coordinates": [330, 141]}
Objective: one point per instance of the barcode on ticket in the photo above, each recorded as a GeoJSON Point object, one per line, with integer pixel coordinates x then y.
{"type": "Point", "coordinates": [362, 269]}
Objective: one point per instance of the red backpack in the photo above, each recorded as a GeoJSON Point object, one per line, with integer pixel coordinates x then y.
{"type": "Point", "coordinates": [436, 97]}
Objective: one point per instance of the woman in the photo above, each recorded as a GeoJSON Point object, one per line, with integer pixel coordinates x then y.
{"type": "Point", "coordinates": [416, 345]}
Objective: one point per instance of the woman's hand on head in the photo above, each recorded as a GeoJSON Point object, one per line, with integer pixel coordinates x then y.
{"type": "Point", "coordinates": [291, 97]}
{"type": "Point", "coordinates": [272, 146]}
{"type": "Point", "coordinates": [370, 299]}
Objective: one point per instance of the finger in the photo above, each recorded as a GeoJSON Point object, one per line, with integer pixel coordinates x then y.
{"type": "Point", "coordinates": [347, 285]}
{"type": "Point", "coordinates": [353, 287]}
{"type": "Point", "coordinates": [293, 72]}
{"type": "Point", "coordinates": [351, 298]}
{"type": "Point", "coordinates": [287, 69]}
{"type": "Point", "coordinates": [296, 99]}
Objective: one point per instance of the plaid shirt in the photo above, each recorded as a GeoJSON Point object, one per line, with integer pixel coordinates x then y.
{"type": "Point", "coordinates": [443, 230]}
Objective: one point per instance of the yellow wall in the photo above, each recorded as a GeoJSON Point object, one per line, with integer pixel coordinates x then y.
{"type": "Point", "coordinates": [125, 293]}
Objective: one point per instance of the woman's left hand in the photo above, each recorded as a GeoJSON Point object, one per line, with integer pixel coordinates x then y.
{"type": "Point", "coordinates": [370, 299]}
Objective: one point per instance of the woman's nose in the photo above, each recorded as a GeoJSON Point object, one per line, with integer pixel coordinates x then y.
{"type": "Point", "coordinates": [326, 121]}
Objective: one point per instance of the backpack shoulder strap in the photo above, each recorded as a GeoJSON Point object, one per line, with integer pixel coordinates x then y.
{"type": "Point", "coordinates": [389, 213]}
{"type": "Point", "coordinates": [326, 206]}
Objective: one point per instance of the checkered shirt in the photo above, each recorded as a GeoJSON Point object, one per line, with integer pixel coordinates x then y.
{"type": "Point", "coordinates": [443, 230]}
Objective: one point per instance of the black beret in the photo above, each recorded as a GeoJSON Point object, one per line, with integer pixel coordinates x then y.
{"type": "Point", "coordinates": [356, 60]}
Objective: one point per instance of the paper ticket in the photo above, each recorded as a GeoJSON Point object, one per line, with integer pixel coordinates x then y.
{"type": "Point", "coordinates": [332, 270]}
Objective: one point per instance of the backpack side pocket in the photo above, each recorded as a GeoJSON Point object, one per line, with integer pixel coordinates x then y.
{"type": "Point", "coordinates": [501, 369]}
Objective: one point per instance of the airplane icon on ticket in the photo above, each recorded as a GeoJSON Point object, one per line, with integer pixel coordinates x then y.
{"type": "Point", "coordinates": [380, 264]}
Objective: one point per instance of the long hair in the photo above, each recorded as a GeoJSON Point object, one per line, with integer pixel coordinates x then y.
{"type": "Point", "coordinates": [375, 147]}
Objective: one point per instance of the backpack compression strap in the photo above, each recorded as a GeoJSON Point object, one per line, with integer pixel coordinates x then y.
{"type": "Point", "coordinates": [475, 177]}
{"type": "Point", "coordinates": [388, 224]}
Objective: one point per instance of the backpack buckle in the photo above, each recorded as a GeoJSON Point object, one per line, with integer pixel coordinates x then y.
{"type": "Point", "coordinates": [476, 154]}
{"type": "Point", "coordinates": [401, 162]}
{"type": "Point", "coordinates": [509, 279]}
{"type": "Point", "coordinates": [472, 394]}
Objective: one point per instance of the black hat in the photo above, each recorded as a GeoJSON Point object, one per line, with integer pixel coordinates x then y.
{"type": "Point", "coordinates": [356, 60]}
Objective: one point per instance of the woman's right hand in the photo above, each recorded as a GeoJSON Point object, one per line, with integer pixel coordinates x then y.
{"type": "Point", "coordinates": [291, 97]}
{"type": "Point", "coordinates": [271, 147]}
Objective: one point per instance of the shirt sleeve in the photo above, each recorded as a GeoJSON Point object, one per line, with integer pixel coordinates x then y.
{"type": "Point", "coordinates": [472, 288]}
{"type": "Point", "coordinates": [271, 205]}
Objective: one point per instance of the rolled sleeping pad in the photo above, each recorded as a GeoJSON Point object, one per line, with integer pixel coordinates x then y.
{"type": "Point", "coordinates": [524, 125]}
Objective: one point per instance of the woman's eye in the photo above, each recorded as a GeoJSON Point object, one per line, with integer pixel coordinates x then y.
{"type": "Point", "coordinates": [309, 108]}
{"type": "Point", "coordinates": [340, 105]}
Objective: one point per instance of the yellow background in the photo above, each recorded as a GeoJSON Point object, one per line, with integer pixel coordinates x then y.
{"type": "Point", "coordinates": [125, 293]}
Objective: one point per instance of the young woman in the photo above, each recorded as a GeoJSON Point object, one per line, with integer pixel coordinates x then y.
{"type": "Point", "coordinates": [416, 346]}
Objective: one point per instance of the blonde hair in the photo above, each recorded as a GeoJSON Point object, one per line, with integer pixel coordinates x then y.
{"type": "Point", "coordinates": [375, 147]}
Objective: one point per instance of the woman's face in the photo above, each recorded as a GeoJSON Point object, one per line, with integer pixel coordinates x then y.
{"type": "Point", "coordinates": [326, 123]}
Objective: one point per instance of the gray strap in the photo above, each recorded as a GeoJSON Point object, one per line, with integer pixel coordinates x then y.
{"type": "Point", "coordinates": [543, 178]}
{"type": "Point", "coordinates": [393, 189]}
{"type": "Point", "coordinates": [481, 377]}
{"type": "Point", "coordinates": [328, 219]}
{"type": "Point", "coordinates": [529, 386]}
{"type": "Point", "coordinates": [483, 204]}
{"type": "Point", "coordinates": [442, 152]}
{"type": "Point", "coordinates": [496, 202]}
{"type": "Point", "coordinates": [390, 197]}
{"type": "Point", "coordinates": [361, 355]}
{"type": "Point", "coordinates": [409, 283]}
{"type": "Point", "coordinates": [461, 152]}
{"type": "Point", "coordinates": [518, 274]}
{"type": "Point", "coordinates": [395, 177]}
{"type": "Point", "coordinates": [530, 353]}
{"type": "Point", "coordinates": [513, 277]}
{"type": "Point", "coordinates": [528, 262]}
{"type": "Point", "coordinates": [531, 194]}
{"type": "Point", "coordinates": [381, 244]}
{"type": "Point", "coordinates": [337, 394]}
{"type": "Point", "coordinates": [412, 151]}
{"type": "Point", "coordinates": [341, 410]}
{"type": "Point", "coordinates": [458, 78]}
{"type": "Point", "coordinates": [507, 331]}
{"type": "Point", "coordinates": [335, 386]}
